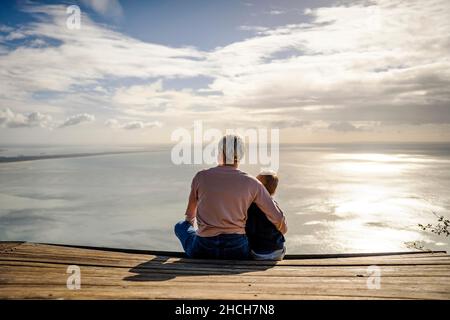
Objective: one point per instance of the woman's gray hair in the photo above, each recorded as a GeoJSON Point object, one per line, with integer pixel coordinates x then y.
{"type": "Point", "coordinates": [232, 148]}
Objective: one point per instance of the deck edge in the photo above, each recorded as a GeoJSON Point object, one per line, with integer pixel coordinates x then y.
{"type": "Point", "coordinates": [176, 254]}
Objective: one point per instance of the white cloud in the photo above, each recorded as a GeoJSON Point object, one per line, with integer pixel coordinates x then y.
{"type": "Point", "coordinates": [140, 125]}
{"type": "Point", "coordinates": [15, 35]}
{"type": "Point", "coordinates": [10, 119]}
{"type": "Point", "coordinates": [77, 119]}
{"type": "Point", "coordinates": [131, 125]}
{"type": "Point", "coordinates": [105, 7]}
{"type": "Point", "coordinates": [252, 28]}
{"type": "Point", "coordinates": [289, 123]}
{"type": "Point", "coordinates": [112, 123]}
{"type": "Point", "coordinates": [144, 99]}
{"type": "Point", "coordinates": [276, 12]}
{"type": "Point", "coordinates": [343, 127]}
{"type": "Point", "coordinates": [5, 28]}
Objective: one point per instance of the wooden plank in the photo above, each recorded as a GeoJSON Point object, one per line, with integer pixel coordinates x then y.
{"type": "Point", "coordinates": [95, 293]}
{"type": "Point", "coordinates": [114, 278]}
{"type": "Point", "coordinates": [311, 271]}
{"type": "Point", "coordinates": [196, 290]}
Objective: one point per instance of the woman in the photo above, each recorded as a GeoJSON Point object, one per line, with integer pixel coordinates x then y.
{"type": "Point", "coordinates": [219, 199]}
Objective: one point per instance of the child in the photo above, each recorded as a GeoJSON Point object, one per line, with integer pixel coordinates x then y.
{"type": "Point", "coordinates": [266, 242]}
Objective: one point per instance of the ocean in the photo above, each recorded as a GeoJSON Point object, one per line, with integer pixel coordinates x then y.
{"type": "Point", "coordinates": [337, 198]}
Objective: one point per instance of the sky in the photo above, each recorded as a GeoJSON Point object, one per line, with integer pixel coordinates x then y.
{"type": "Point", "coordinates": [135, 71]}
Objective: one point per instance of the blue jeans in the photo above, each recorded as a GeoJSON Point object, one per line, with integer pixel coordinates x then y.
{"type": "Point", "coordinates": [222, 246]}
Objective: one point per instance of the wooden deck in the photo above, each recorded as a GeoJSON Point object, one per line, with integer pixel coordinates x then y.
{"type": "Point", "coordinates": [38, 271]}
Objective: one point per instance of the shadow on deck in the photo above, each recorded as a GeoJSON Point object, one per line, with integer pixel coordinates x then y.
{"type": "Point", "coordinates": [180, 269]}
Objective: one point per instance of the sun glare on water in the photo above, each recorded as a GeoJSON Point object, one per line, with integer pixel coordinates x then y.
{"type": "Point", "coordinates": [368, 202]}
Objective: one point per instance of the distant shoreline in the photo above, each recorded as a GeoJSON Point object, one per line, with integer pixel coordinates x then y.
{"type": "Point", "coordinates": [62, 156]}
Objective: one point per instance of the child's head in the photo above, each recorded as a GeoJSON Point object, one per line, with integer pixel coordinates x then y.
{"type": "Point", "coordinates": [269, 179]}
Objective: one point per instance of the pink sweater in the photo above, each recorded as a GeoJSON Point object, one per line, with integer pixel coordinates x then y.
{"type": "Point", "coordinates": [220, 197]}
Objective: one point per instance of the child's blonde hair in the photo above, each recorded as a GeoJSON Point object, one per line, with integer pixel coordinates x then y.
{"type": "Point", "coordinates": [269, 179]}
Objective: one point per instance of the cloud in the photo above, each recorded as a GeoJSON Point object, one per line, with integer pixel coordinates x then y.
{"type": "Point", "coordinates": [366, 60]}
{"type": "Point", "coordinates": [10, 34]}
{"type": "Point", "coordinates": [73, 63]}
{"type": "Point", "coordinates": [140, 125]}
{"type": "Point", "coordinates": [5, 28]}
{"type": "Point", "coordinates": [131, 125]}
{"type": "Point", "coordinates": [15, 35]}
{"type": "Point", "coordinates": [289, 123]}
{"type": "Point", "coordinates": [75, 52]}
{"type": "Point", "coordinates": [112, 123]}
{"type": "Point", "coordinates": [352, 63]}
{"type": "Point", "coordinates": [343, 127]}
{"type": "Point", "coordinates": [111, 8]}
{"type": "Point", "coordinates": [77, 119]}
{"type": "Point", "coordinates": [276, 12]}
{"type": "Point", "coordinates": [143, 99]}
{"type": "Point", "coordinates": [10, 119]}
{"type": "Point", "coordinates": [252, 28]}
